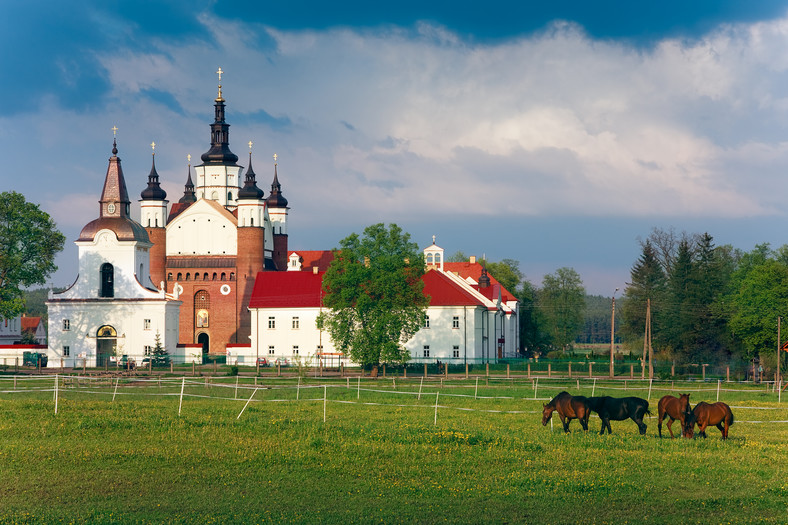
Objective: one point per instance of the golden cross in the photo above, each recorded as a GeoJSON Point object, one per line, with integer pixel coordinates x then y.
{"type": "Point", "coordinates": [219, 71]}
{"type": "Point", "coordinates": [153, 146]}
{"type": "Point", "coordinates": [114, 131]}
{"type": "Point", "coordinates": [189, 158]}
{"type": "Point", "coordinates": [275, 157]}
{"type": "Point", "coordinates": [250, 146]}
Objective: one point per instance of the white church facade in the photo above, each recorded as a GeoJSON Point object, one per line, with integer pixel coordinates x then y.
{"type": "Point", "coordinates": [113, 308]}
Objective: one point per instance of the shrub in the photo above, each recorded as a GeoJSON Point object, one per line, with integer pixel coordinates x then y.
{"type": "Point", "coordinates": [233, 371]}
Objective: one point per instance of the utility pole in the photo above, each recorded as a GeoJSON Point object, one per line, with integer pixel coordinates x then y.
{"type": "Point", "coordinates": [779, 348]}
{"type": "Point", "coordinates": [650, 349]}
{"type": "Point", "coordinates": [613, 334]}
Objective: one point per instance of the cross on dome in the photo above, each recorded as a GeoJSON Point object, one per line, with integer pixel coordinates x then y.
{"type": "Point", "coordinates": [114, 131]}
{"type": "Point", "coordinates": [275, 157]}
{"type": "Point", "coordinates": [250, 146]}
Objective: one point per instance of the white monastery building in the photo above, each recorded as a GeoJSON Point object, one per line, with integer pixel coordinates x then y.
{"type": "Point", "coordinates": [471, 318]}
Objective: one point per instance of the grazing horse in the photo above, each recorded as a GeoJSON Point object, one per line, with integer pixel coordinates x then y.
{"type": "Point", "coordinates": [619, 409]}
{"type": "Point", "coordinates": [705, 414]}
{"type": "Point", "coordinates": [569, 408]}
{"type": "Point", "coordinates": [675, 408]}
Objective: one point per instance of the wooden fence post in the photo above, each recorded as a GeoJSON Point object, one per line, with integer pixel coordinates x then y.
{"type": "Point", "coordinates": [384, 370]}
{"type": "Point", "coordinates": [632, 371]}
{"type": "Point", "coordinates": [590, 368]}
{"type": "Point", "coordinates": [466, 370]}
{"type": "Point", "coordinates": [570, 370]}
{"type": "Point", "coordinates": [507, 370]}
{"type": "Point", "coordinates": [728, 374]}
{"type": "Point", "coordinates": [488, 370]}
{"type": "Point", "coordinates": [549, 370]}
{"type": "Point", "coordinates": [425, 369]}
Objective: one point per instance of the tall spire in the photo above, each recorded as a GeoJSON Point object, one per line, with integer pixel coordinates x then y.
{"type": "Point", "coordinates": [153, 192]}
{"type": "Point", "coordinates": [114, 197]}
{"type": "Point", "coordinates": [220, 134]}
{"type": "Point", "coordinates": [188, 190]}
{"type": "Point", "coordinates": [276, 199]}
{"type": "Point", "coordinates": [250, 189]}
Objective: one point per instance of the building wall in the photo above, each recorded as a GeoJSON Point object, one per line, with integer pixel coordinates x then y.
{"type": "Point", "coordinates": [202, 230]}
{"type": "Point", "coordinates": [283, 337]}
{"type": "Point", "coordinates": [127, 317]}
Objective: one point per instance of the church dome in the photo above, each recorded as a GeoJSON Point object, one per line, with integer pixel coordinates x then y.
{"type": "Point", "coordinates": [276, 199]}
{"type": "Point", "coordinates": [250, 190]}
{"type": "Point", "coordinates": [153, 192]}
{"type": "Point", "coordinates": [125, 229]}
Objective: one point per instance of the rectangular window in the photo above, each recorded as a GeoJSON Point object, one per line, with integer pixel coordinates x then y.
{"type": "Point", "coordinates": [66, 351]}
{"type": "Point", "coordinates": [295, 349]}
{"type": "Point", "coordinates": [66, 324]}
{"type": "Point", "coordinates": [426, 350]}
{"type": "Point", "coordinates": [148, 350]}
{"type": "Point", "coordinates": [295, 323]}
{"type": "Point", "coordinates": [455, 321]}
{"type": "Point", "coordinates": [271, 323]}
{"type": "Point", "coordinates": [146, 324]}
{"type": "Point", "coordinates": [271, 350]}
{"type": "Point", "coordinates": [426, 321]}
{"type": "Point", "coordinates": [455, 352]}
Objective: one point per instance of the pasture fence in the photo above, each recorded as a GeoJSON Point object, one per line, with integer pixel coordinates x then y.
{"type": "Point", "coordinates": [456, 396]}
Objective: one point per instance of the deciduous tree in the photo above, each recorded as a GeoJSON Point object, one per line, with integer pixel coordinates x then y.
{"type": "Point", "coordinates": [29, 241]}
{"type": "Point", "coordinates": [374, 295]}
{"type": "Point", "coordinates": [562, 301]}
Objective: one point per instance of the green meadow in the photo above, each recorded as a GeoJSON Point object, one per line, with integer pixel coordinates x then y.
{"type": "Point", "coordinates": [374, 451]}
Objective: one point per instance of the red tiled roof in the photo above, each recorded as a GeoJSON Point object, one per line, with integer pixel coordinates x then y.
{"type": "Point", "coordinates": [287, 290]}
{"type": "Point", "coordinates": [443, 292]}
{"type": "Point", "coordinates": [310, 258]}
{"type": "Point", "coordinates": [303, 290]}
{"type": "Point", "coordinates": [30, 324]}
{"type": "Point", "coordinates": [474, 271]}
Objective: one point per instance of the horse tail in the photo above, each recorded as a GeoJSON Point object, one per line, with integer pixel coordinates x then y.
{"type": "Point", "coordinates": [647, 412]}
{"type": "Point", "coordinates": [731, 413]}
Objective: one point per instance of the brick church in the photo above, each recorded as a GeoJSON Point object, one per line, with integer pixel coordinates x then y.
{"type": "Point", "coordinates": [214, 240]}
{"type": "Point", "coordinates": [183, 276]}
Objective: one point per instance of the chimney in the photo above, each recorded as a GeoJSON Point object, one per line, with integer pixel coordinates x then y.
{"type": "Point", "coordinates": [473, 259]}
{"type": "Point", "coordinates": [315, 269]}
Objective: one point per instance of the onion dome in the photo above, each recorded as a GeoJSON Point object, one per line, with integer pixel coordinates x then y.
{"type": "Point", "coordinates": [250, 191]}
{"type": "Point", "coordinates": [153, 192]}
{"type": "Point", "coordinates": [188, 189]}
{"type": "Point", "coordinates": [276, 199]}
{"type": "Point", "coordinates": [484, 280]}
{"type": "Point", "coordinates": [115, 207]}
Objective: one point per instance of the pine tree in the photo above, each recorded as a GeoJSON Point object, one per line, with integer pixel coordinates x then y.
{"type": "Point", "coordinates": [648, 282]}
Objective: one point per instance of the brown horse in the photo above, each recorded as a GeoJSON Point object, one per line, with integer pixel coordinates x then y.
{"type": "Point", "coordinates": [705, 414]}
{"type": "Point", "coordinates": [569, 408]}
{"type": "Point", "coordinates": [675, 408]}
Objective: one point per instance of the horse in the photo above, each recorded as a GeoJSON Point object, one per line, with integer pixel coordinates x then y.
{"type": "Point", "coordinates": [675, 408]}
{"type": "Point", "coordinates": [704, 414]}
{"type": "Point", "coordinates": [569, 407]}
{"type": "Point", "coordinates": [619, 409]}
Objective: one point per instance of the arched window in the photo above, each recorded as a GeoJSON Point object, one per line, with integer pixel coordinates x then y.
{"type": "Point", "coordinates": [229, 196]}
{"type": "Point", "coordinates": [214, 276]}
{"type": "Point", "coordinates": [169, 276]}
{"type": "Point", "coordinates": [107, 280]}
{"type": "Point", "coordinates": [232, 276]}
{"type": "Point", "coordinates": [180, 276]}
{"type": "Point", "coordinates": [252, 221]}
{"type": "Point", "coordinates": [224, 276]}
{"type": "Point", "coordinates": [205, 276]}
{"type": "Point", "coordinates": [196, 276]}
{"type": "Point", "coordinates": [202, 305]}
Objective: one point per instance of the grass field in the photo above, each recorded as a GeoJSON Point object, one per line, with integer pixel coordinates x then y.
{"type": "Point", "coordinates": [378, 457]}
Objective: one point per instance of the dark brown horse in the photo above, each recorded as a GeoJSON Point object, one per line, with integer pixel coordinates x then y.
{"type": "Point", "coordinates": [568, 408]}
{"type": "Point", "coordinates": [675, 408]}
{"type": "Point", "coordinates": [705, 414]}
{"type": "Point", "coordinates": [619, 409]}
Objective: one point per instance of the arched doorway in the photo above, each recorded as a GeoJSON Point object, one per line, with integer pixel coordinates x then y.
{"type": "Point", "coordinates": [106, 344]}
{"type": "Point", "coordinates": [205, 341]}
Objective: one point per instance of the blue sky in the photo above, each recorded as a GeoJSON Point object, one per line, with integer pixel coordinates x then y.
{"type": "Point", "coordinates": [555, 134]}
